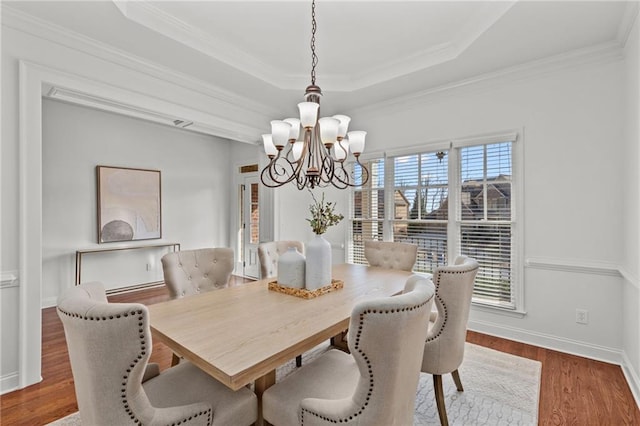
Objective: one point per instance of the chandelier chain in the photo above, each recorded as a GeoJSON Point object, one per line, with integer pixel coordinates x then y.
{"type": "Point", "coordinates": [319, 158]}
{"type": "Point", "coordinates": [314, 57]}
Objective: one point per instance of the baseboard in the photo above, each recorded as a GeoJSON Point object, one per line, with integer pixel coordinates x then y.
{"type": "Point", "coordinates": [49, 302]}
{"type": "Point", "coordinates": [9, 383]}
{"type": "Point", "coordinates": [573, 347]}
{"type": "Point", "coordinates": [632, 377]}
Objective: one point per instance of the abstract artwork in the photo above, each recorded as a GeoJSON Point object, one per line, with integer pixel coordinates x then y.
{"type": "Point", "coordinates": [129, 205]}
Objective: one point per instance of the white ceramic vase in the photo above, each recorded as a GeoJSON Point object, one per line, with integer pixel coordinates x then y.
{"type": "Point", "coordinates": [318, 268]}
{"type": "Point", "coordinates": [291, 267]}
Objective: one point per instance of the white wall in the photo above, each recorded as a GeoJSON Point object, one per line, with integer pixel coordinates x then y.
{"type": "Point", "coordinates": [572, 119]}
{"type": "Point", "coordinates": [195, 177]}
{"type": "Point", "coordinates": [33, 53]}
{"type": "Point", "coordinates": [631, 212]}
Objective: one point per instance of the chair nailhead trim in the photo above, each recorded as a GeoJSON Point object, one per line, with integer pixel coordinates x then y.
{"type": "Point", "coordinates": [444, 306]}
{"type": "Point", "coordinates": [367, 361]}
{"type": "Point", "coordinates": [125, 377]}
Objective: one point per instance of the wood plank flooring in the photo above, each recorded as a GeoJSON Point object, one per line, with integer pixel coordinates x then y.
{"type": "Point", "coordinates": [574, 390]}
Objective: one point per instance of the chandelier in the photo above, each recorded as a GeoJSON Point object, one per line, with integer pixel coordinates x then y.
{"type": "Point", "coordinates": [318, 158]}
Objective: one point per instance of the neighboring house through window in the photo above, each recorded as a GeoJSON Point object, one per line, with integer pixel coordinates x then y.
{"type": "Point", "coordinates": [456, 200]}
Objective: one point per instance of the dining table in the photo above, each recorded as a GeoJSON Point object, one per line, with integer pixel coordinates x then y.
{"type": "Point", "coordinates": [239, 335]}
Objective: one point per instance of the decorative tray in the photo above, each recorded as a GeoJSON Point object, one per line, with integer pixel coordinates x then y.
{"type": "Point", "coordinates": [303, 292]}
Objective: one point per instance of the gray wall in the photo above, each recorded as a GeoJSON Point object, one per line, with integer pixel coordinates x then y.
{"type": "Point", "coordinates": [195, 177]}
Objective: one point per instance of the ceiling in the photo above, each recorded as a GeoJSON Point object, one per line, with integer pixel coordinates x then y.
{"type": "Point", "coordinates": [369, 51]}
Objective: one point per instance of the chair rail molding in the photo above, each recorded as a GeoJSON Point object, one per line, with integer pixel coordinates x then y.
{"type": "Point", "coordinates": [629, 277]}
{"type": "Point", "coordinates": [9, 279]}
{"type": "Point", "coordinates": [575, 266]}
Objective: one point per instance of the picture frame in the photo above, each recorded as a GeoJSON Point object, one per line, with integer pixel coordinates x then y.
{"type": "Point", "coordinates": [129, 204]}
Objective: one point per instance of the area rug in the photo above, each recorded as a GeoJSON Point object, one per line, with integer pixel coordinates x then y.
{"type": "Point", "coordinates": [499, 389]}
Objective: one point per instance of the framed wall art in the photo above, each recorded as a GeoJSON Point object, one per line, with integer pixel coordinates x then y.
{"type": "Point", "coordinates": [129, 204]}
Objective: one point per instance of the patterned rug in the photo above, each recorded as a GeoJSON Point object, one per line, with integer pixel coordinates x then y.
{"type": "Point", "coordinates": [499, 389]}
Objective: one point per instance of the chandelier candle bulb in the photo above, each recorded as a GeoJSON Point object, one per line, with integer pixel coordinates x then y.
{"type": "Point", "coordinates": [356, 141]}
{"type": "Point", "coordinates": [344, 125]}
{"type": "Point", "coordinates": [328, 130]}
{"type": "Point", "coordinates": [269, 147]}
{"type": "Point", "coordinates": [316, 161]}
{"type": "Point", "coordinates": [308, 114]}
{"type": "Point", "coordinates": [294, 132]}
{"type": "Point", "coordinates": [280, 132]}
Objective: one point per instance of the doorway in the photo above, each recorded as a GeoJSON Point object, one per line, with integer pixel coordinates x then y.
{"type": "Point", "coordinates": [250, 224]}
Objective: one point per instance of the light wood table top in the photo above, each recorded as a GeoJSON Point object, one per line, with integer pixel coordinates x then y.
{"type": "Point", "coordinates": [240, 334]}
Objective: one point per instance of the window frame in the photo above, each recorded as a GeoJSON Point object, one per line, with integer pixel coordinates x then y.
{"type": "Point", "coordinates": [453, 148]}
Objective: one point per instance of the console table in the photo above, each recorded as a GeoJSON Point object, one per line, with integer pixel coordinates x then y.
{"type": "Point", "coordinates": [81, 253]}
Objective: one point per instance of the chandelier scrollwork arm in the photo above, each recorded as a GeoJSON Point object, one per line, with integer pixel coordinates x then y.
{"type": "Point", "coordinates": [318, 160]}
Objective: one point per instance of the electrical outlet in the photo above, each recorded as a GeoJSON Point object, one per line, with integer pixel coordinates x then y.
{"type": "Point", "coordinates": [582, 316]}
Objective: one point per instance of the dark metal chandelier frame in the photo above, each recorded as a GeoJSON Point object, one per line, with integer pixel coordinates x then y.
{"type": "Point", "coordinates": [318, 160]}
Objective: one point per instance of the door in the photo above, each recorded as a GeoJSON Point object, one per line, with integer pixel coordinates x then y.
{"type": "Point", "coordinates": [250, 216]}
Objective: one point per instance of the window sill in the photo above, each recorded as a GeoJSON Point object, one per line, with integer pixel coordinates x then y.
{"type": "Point", "coordinates": [514, 313]}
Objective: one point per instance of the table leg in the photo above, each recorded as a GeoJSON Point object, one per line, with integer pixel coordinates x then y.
{"type": "Point", "coordinates": [262, 384]}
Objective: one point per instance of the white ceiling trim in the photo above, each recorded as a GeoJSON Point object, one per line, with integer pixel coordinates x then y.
{"type": "Point", "coordinates": [601, 53]}
{"type": "Point", "coordinates": [150, 16]}
{"type": "Point", "coordinates": [436, 55]}
{"type": "Point", "coordinates": [45, 30]}
{"type": "Point", "coordinates": [144, 13]}
{"type": "Point", "coordinates": [628, 20]}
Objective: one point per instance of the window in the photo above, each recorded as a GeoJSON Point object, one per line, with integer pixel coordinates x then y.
{"type": "Point", "coordinates": [484, 225]}
{"type": "Point", "coordinates": [421, 198]}
{"type": "Point", "coordinates": [367, 214]}
{"type": "Point", "coordinates": [448, 202]}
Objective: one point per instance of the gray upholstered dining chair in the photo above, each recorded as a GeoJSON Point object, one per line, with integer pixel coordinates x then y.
{"type": "Point", "coordinates": [391, 255]}
{"type": "Point", "coordinates": [109, 348]}
{"type": "Point", "coordinates": [268, 254]}
{"type": "Point", "coordinates": [384, 254]}
{"type": "Point", "coordinates": [373, 385]}
{"type": "Point", "coordinates": [444, 345]}
{"type": "Point", "coordinates": [190, 272]}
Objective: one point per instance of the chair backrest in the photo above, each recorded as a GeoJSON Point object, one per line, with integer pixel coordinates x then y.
{"type": "Point", "coordinates": [190, 272]}
{"type": "Point", "coordinates": [444, 346]}
{"type": "Point", "coordinates": [390, 255]}
{"type": "Point", "coordinates": [109, 347]}
{"type": "Point", "coordinates": [268, 254]}
{"type": "Point", "coordinates": [386, 339]}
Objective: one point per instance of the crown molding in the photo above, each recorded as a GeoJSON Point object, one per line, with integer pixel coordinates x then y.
{"type": "Point", "coordinates": [45, 30]}
{"type": "Point", "coordinates": [433, 56]}
{"type": "Point", "coordinates": [144, 13]}
{"type": "Point", "coordinates": [600, 53]}
{"type": "Point", "coordinates": [628, 21]}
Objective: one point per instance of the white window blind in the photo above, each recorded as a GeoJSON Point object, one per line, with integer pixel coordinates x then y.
{"type": "Point", "coordinates": [367, 210]}
{"type": "Point", "coordinates": [421, 206]}
{"type": "Point", "coordinates": [447, 206]}
{"type": "Point", "coordinates": [485, 218]}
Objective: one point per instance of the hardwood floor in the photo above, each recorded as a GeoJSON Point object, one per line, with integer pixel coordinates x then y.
{"type": "Point", "coordinates": [573, 390]}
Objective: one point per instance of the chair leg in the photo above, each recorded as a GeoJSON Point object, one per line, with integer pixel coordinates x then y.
{"type": "Point", "coordinates": [456, 379]}
{"type": "Point", "coordinates": [442, 410]}
{"type": "Point", "coordinates": [299, 361]}
{"type": "Point", "coordinates": [175, 359]}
